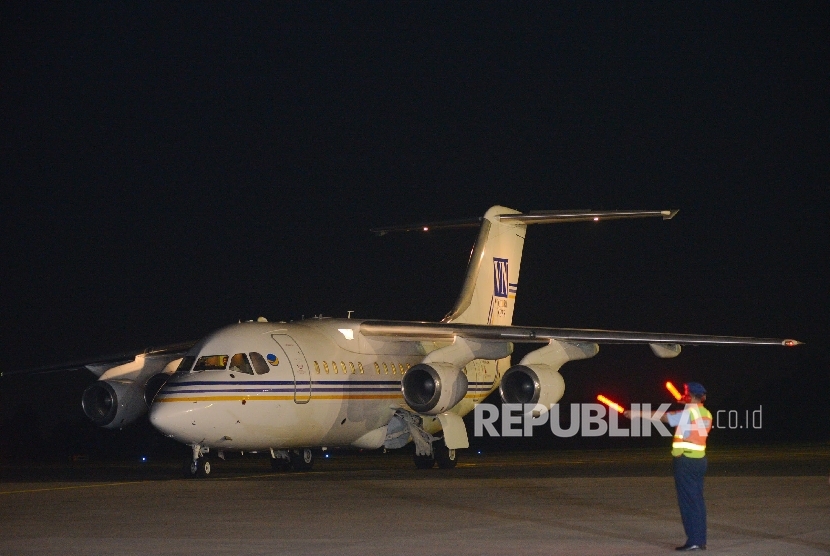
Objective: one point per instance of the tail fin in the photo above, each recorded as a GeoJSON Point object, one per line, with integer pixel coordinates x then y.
{"type": "Point", "coordinates": [489, 292]}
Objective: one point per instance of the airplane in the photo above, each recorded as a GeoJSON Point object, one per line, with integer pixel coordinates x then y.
{"type": "Point", "coordinates": [292, 388]}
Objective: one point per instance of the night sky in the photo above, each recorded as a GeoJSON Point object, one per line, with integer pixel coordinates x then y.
{"type": "Point", "coordinates": [169, 168]}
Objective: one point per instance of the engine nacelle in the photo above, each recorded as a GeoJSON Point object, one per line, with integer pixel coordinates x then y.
{"type": "Point", "coordinates": [532, 384]}
{"type": "Point", "coordinates": [113, 404]}
{"type": "Point", "coordinates": [154, 386]}
{"type": "Point", "coordinates": [434, 388]}
{"type": "Point", "coordinates": [124, 392]}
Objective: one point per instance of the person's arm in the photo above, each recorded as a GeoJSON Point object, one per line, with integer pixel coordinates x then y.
{"type": "Point", "coordinates": [646, 415]}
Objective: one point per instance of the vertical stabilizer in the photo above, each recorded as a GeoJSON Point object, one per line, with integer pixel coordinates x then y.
{"type": "Point", "coordinates": [489, 292]}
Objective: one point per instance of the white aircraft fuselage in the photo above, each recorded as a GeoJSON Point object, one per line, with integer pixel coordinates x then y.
{"type": "Point", "coordinates": [325, 384]}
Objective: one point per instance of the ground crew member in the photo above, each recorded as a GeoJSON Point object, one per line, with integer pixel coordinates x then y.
{"type": "Point", "coordinates": [693, 424]}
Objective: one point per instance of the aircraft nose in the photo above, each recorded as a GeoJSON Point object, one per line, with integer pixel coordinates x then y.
{"type": "Point", "coordinates": [167, 419]}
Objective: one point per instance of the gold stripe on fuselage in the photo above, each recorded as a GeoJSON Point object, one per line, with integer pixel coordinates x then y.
{"type": "Point", "coordinates": [290, 397]}
{"type": "Point", "coordinates": [280, 398]}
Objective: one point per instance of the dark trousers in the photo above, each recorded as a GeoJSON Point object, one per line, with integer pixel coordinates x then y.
{"type": "Point", "coordinates": [688, 479]}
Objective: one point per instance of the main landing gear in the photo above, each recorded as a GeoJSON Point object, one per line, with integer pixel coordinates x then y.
{"type": "Point", "coordinates": [446, 458]}
{"type": "Point", "coordinates": [301, 459]}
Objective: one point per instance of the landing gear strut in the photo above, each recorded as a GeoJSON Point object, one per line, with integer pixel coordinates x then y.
{"type": "Point", "coordinates": [199, 465]}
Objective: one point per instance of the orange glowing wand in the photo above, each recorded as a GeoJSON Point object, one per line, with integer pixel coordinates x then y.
{"type": "Point", "coordinates": [673, 391]}
{"type": "Point", "coordinates": [610, 404]}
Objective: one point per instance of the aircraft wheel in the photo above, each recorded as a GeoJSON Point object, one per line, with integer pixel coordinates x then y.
{"type": "Point", "coordinates": [424, 462]}
{"type": "Point", "coordinates": [445, 457]}
{"type": "Point", "coordinates": [202, 467]}
{"type": "Point", "coordinates": [190, 468]}
{"type": "Point", "coordinates": [302, 460]}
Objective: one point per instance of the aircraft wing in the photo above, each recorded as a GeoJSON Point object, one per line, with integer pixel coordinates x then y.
{"type": "Point", "coordinates": [431, 331]}
{"type": "Point", "coordinates": [99, 365]}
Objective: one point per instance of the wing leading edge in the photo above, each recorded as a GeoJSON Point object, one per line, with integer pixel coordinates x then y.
{"type": "Point", "coordinates": [99, 365]}
{"type": "Point", "coordinates": [427, 331]}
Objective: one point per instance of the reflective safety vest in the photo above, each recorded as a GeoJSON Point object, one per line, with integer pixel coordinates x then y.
{"type": "Point", "coordinates": [690, 434]}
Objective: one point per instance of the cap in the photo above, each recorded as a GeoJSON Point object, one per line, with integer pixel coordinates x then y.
{"type": "Point", "coordinates": [695, 389]}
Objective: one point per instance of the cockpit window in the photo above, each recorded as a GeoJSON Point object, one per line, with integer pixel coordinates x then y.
{"type": "Point", "coordinates": [260, 366]}
{"type": "Point", "coordinates": [211, 363]}
{"type": "Point", "coordinates": [186, 364]}
{"type": "Point", "coordinates": [239, 364]}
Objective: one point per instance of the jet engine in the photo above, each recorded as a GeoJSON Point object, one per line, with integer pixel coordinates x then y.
{"type": "Point", "coordinates": [124, 393]}
{"type": "Point", "coordinates": [433, 388]}
{"type": "Point", "coordinates": [536, 379]}
{"type": "Point", "coordinates": [113, 403]}
{"type": "Point", "coordinates": [532, 384]}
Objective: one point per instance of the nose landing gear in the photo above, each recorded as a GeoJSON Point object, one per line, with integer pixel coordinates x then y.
{"type": "Point", "coordinates": [199, 465]}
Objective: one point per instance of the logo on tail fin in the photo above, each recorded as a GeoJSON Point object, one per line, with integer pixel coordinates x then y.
{"type": "Point", "coordinates": [500, 278]}
{"type": "Point", "coordinates": [502, 291]}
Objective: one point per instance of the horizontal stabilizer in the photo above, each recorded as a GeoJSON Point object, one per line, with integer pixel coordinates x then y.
{"type": "Point", "coordinates": [534, 217]}
{"type": "Point", "coordinates": [561, 216]}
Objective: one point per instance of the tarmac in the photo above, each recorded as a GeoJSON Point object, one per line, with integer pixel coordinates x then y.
{"type": "Point", "coordinates": [760, 500]}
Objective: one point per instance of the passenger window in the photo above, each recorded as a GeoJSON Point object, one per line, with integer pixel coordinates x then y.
{"type": "Point", "coordinates": [400, 366]}
{"type": "Point", "coordinates": [186, 364]}
{"type": "Point", "coordinates": [326, 367]}
{"type": "Point", "coordinates": [360, 366]}
{"type": "Point", "coordinates": [317, 367]}
{"type": "Point", "coordinates": [377, 367]}
{"type": "Point", "coordinates": [351, 366]}
{"type": "Point", "coordinates": [385, 369]}
{"type": "Point", "coordinates": [260, 366]}
{"type": "Point", "coordinates": [211, 363]}
{"type": "Point", "coordinates": [334, 366]}
{"type": "Point", "coordinates": [394, 368]}
{"type": "Point", "coordinates": [239, 364]}
{"type": "Point", "coordinates": [343, 366]}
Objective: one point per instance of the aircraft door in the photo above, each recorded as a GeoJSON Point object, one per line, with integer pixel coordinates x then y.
{"type": "Point", "coordinates": [299, 366]}
{"type": "Point", "coordinates": [483, 378]}
{"type": "Point", "coordinates": [477, 376]}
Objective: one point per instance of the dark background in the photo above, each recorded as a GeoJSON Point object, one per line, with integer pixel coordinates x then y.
{"type": "Point", "coordinates": [169, 168]}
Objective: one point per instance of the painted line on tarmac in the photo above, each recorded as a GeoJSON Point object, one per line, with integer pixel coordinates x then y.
{"type": "Point", "coordinates": [77, 487]}
{"type": "Point", "coordinates": [52, 489]}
